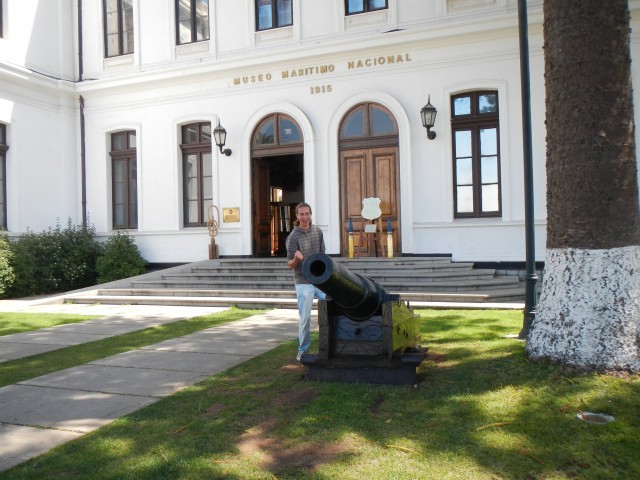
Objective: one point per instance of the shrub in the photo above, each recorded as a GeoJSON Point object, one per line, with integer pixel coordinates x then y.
{"type": "Point", "coordinates": [7, 274]}
{"type": "Point", "coordinates": [33, 258]}
{"type": "Point", "coordinates": [54, 260]}
{"type": "Point", "coordinates": [120, 259]}
{"type": "Point", "coordinates": [80, 253]}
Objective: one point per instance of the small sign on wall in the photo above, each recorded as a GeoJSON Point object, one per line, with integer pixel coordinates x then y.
{"type": "Point", "coordinates": [231, 215]}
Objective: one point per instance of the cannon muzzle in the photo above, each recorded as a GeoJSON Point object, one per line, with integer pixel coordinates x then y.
{"type": "Point", "coordinates": [358, 297]}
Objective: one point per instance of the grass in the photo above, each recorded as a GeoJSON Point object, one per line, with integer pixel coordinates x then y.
{"type": "Point", "coordinates": [30, 367]}
{"type": "Point", "coordinates": [480, 411]}
{"type": "Point", "coordinates": [11, 323]}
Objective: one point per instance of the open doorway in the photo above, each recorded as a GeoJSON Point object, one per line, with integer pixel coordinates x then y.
{"type": "Point", "coordinates": [277, 176]}
{"type": "Point", "coordinates": [277, 188]}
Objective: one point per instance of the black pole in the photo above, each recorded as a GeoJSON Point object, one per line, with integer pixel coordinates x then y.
{"type": "Point", "coordinates": [530, 277]}
{"type": "Point", "coordinates": [83, 169]}
{"type": "Point", "coordinates": [83, 173]}
{"type": "Point", "coordinates": [80, 53]}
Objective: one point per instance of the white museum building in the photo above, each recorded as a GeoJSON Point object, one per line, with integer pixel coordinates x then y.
{"type": "Point", "coordinates": [109, 109]}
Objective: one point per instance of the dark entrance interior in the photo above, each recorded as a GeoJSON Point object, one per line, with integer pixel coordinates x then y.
{"type": "Point", "coordinates": [278, 186]}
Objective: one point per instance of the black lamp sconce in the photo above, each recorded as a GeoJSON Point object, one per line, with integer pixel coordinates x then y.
{"type": "Point", "coordinates": [220, 137]}
{"type": "Point", "coordinates": [428, 114]}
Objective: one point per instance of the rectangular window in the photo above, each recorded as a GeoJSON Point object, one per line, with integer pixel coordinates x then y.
{"type": "Point", "coordinates": [3, 176]}
{"type": "Point", "coordinates": [124, 174]}
{"type": "Point", "coordinates": [476, 154]}
{"type": "Point", "coordinates": [118, 27]}
{"type": "Point", "coordinates": [353, 7]}
{"type": "Point", "coordinates": [273, 14]}
{"type": "Point", "coordinates": [197, 174]}
{"type": "Point", "coordinates": [192, 21]}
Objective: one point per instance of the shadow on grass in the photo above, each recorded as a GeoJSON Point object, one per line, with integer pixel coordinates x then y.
{"type": "Point", "coordinates": [481, 410]}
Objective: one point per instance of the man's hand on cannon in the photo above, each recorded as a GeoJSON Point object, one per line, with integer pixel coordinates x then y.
{"type": "Point", "coordinates": [297, 258]}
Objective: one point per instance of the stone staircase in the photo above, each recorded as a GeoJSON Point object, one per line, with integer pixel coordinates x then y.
{"type": "Point", "coordinates": [266, 282]}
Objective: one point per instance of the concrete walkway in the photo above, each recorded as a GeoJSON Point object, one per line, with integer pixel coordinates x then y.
{"type": "Point", "coordinates": [114, 320]}
{"type": "Point", "coordinates": [39, 414]}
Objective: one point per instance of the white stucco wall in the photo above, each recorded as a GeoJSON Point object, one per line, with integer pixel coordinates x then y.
{"type": "Point", "coordinates": [178, 86]}
{"type": "Point", "coordinates": [38, 107]}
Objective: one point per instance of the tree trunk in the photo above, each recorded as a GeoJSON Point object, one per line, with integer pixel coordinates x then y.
{"type": "Point", "coordinates": [589, 310]}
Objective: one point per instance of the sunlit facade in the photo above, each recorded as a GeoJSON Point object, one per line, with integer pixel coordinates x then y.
{"type": "Point", "coordinates": [108, 108]}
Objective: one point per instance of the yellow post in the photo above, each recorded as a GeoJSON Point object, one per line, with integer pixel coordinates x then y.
{"type": "Point", "coordinates": [389, 239]}
{"type": "Point", "coordinates": [351, 248]}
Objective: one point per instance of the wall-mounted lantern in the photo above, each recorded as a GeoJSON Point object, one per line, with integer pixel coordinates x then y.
{"type": "Point", "coordinates": [428, 114]}
{"type": "Point", "coordinates": [220, 137]}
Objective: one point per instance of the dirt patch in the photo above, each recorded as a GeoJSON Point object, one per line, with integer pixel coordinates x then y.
{"type": "Point", "coordinates": [622, 374]}
{"type": "Point", "coordinates": [296, 398]}
{"type": "Point", "coordinates": [256, 439]}
{"type": "Point", "coordinates": [436, 357]}
{"type": "Point", "coordinates": [214, 409]}
{"type": "Point", "coordinates": [292, 367]}
{"type": "Point", "coordinates": [375, 405]}
{"type": "Point", "coordinates": [275, 456]}
{"type": "Point", "coordinates": [309, 457]}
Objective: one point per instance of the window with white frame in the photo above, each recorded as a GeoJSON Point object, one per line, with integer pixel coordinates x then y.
{"type": "Point", "coordinates": [353, 7]}
{"type": "Point", "coordinates": [192, 21]}
{"type": "Point", "coordinates": [124, 175]}
{"type": "Point", "coordinates": [476, 154]}
{"type": "Point", "coordinates": [273, 14]}
{"type": "Point", "coordinates": [118, 27]}
{"type": "Point", "coordinates": [197, 174]}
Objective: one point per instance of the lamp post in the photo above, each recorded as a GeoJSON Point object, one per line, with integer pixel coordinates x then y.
{"type": "Point", "coordinates": [530, 275]}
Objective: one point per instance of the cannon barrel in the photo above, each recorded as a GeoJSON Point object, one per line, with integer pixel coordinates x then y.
{"type": "Point", "coordinates": [358, 297]}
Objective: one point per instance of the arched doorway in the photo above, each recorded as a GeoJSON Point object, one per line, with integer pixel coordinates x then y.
{"type": "Point", "coordinates": [277, 177]}
{"type": "Point", "coordinates": [369, 167]}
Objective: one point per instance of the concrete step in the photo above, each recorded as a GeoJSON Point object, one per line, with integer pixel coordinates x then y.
{"type": "Point", "coordinates": [401, 284]}
{"type": "Point", "coordinates": [246, 299]}
{"type": "Point", "coordinates": [267, 282]}
{"type": "Point", "coordinates": [380, 265]}
{"type": "Point", "coordinates": [269, 277]}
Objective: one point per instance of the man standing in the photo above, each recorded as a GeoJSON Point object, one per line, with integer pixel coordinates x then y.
{"type": "Point", "coordinates": [304, 240]}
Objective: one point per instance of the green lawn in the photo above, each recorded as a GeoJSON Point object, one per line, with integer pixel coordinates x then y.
{"type": "Point", "coordinates": [480, 411]}
{"type": "Point", "coordinates": [11, 323]}
{"type": "Point", "coordinates": [30, 367]}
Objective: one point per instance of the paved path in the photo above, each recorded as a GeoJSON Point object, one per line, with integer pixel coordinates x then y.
{"type": "Point", "coordinates": [115, 320]}
{"type": "Point", "coordinates": [39, 414]}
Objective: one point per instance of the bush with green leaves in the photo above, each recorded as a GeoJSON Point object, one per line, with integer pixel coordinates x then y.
{"type": "Point", "coordinates": [7, 275]}
{"type": "Point", "coordinates": [120, 259]}
{"type": "Point", "coordinates": [55, 260]}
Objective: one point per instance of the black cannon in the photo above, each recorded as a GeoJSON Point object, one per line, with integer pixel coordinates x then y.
{"type": "Point", "coordinates": [366, 334]}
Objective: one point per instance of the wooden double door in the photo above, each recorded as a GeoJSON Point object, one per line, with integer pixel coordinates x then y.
{"type": "Point", "coordinates": [369, 172]}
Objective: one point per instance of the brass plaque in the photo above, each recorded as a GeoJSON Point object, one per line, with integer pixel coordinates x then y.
{"type": "Point", "coordinates": [231, 215]}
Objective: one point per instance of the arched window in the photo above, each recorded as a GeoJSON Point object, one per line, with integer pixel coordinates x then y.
{"type": "Point", "coordinates": [368, 124]}
{"type": "Point", "coordinates": [276, 134]}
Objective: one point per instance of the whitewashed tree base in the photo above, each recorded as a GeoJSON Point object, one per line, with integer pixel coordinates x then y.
{"type": "Point", "coordinates": [589, 310]}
